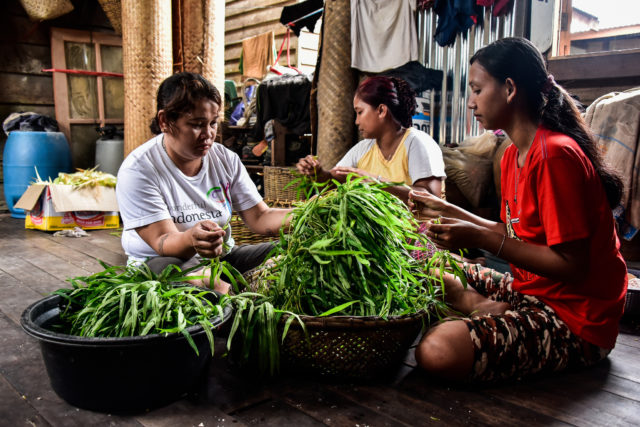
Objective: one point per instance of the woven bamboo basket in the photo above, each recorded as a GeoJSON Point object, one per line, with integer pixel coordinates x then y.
{"type": "Point", "coordinates": [242, 235]}
{"type": "Point", "coordinates": [39, 10]}
{"type": "Point", "coordinates": [113, 10]}
{"type": "Point", "coordinates": [355, 347]}
{"type": "Point", "coordinates": [276, 179]}
{"type": "Point", "coordinates": [349, 346]}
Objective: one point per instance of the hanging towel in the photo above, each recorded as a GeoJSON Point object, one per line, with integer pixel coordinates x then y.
{"type": "Point", "coordinates": [299, 10]}
{"type": "Point", "coordinates": [257, 54]}
{"type": "Point", "coordinates": [383, 34]}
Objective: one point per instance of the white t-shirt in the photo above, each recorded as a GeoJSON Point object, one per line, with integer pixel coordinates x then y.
{"type": "Point", "coordinates": [383, 34]}
{"type": "Point", "coordinates": [418, 156]}
{"type": "Point", "coordinates": [151, 188]}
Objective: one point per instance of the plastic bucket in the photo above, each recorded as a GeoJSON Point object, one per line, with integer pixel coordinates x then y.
{"type": "Point", "coordinates": [109, 154]}
{"type": "Point", "coordinates": [121, 375]}
{"type": "Point", "coordinates": [24, 152]}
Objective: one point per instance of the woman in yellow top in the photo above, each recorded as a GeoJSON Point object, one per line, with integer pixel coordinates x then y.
{"type": "Point", "coordinates": [392, 151]}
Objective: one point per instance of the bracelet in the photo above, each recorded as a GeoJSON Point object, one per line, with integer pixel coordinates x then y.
{"type": "Point", "coordinates": [504, 237]}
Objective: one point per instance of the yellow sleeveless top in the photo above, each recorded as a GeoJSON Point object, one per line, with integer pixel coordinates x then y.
{"type": "Point", "coordinates": [396, 169]}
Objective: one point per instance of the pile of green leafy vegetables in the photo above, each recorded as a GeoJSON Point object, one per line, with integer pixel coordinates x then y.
{"type": "Point", "coordinates": [133, 301]}
{"type": "Point", "coordinates": [346, 252]}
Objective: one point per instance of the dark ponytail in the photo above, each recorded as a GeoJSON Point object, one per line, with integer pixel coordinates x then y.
{"type": "Point", "coordinates": [518, 59]}
{"type": "Point", "coordinates": [560, 114]}
{"type": "Point", "coordinates": [393, 92]}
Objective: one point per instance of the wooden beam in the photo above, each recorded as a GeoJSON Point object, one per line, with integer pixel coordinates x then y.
{"type": "Point", "coordinates": [596, 66]}
{"type": "Point", "coordinates": [606, 32]}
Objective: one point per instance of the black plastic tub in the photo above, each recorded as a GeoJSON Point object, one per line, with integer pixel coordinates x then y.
{"type": "Point", "coordinates": [118, 375]}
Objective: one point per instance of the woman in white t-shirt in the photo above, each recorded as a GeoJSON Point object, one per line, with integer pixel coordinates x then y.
{"type": "Point", "coordinates": [176, 192]}
{"type": "Point", "coordinates": [392, 150]}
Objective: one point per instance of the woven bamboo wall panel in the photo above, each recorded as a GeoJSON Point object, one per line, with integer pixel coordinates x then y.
{"type": "Point", "coordinates": [213, 43]}
{"type": "Point", "coordinates": [201, 27]}
{"type": "Point", "coordinates": [336, 85]}
{"type": "Point", "coordinates": [147, 60]}
{"type": "Point", "coordinates": [192, 29]}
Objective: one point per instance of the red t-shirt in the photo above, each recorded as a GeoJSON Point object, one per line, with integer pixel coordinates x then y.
{"type": "Point", "coordinates": [558, 197]}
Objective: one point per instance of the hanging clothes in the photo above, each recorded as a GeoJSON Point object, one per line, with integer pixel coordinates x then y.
{"type": "Point", "coordinates": [454, 16]}
{"type": "Point", "coordinates": [310, 11]}
{"type": "Point", "coordinates": [383, 34]}
{"type": "Point", "coordinates": [419, 77]}
{"type": "Point", "coordinates": [257, 54]}
{"type": "Point", "coordinates": [425, 5]}
{"type": "Point", "coordinates": [500, 7]}
{"type": "Point", "coordinates": [286, 99]}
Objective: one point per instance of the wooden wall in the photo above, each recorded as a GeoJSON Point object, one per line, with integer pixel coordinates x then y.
{"type": "Point", "coordinates": [247, 18]}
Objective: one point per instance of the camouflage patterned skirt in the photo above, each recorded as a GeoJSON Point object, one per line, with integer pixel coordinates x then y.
{"type": "Point", "coordinates": [528, 339]}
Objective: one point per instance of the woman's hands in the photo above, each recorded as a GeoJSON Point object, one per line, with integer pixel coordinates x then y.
{"type": "Point", "coordinates": [340, 172]}
{"type": "Point", "coordinates": [426, 205]}
{"type": "Point", "coordinates": [207, 238]}
{"type": "Point", "coordinates": [310, 166]}
{"type": "Point", "coordinates": [453, 233]}
{"type": "Point", "coordinates": [445, 231]}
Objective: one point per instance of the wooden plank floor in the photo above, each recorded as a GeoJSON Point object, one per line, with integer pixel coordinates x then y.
{"type": "Point", "coordinates": [34, 263]}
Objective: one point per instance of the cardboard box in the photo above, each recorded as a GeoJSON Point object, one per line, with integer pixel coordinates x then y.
{"type": "Point", "coordinates": [59, 207]}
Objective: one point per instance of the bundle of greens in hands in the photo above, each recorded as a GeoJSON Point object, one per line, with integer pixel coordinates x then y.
{"type": "Point", "coordinates": [347, 252]}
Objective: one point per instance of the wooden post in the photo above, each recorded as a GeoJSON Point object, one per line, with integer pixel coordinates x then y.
{"type": "Point", "coordinates": [147, 60]}
{"type": "Point", "coordinates": [336, 85]}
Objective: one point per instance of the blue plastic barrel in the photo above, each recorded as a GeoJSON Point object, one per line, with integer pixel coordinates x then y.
{"type": "Point", "coordinates": [24, 152]}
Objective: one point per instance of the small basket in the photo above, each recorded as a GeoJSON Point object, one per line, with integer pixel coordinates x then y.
{"type": "Point", "coordinates": [39, 10]}
{"type": "Point", "coordinates": [349, 346]}
{"type": "Point", "coordinates": [242, 235]}
{"type": "Point", "coordinates": [276, 179]}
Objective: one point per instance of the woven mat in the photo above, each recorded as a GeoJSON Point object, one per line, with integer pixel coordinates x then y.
{"type": "Point", "coordinates": [336, 85]}
{"type": "Point", "coordinates": [147, 61]}
{"type": "Point", "coordinates": [202, 39]}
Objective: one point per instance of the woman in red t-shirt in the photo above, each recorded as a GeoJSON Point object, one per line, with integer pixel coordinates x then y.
{"type": "Point", "coordinates": [562, 305]}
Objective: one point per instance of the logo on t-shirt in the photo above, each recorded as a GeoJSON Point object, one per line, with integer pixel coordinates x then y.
{"type": "Point", "coordinates": [188, 213]}
{"type": "Point", "coordinates": [221, 195]}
